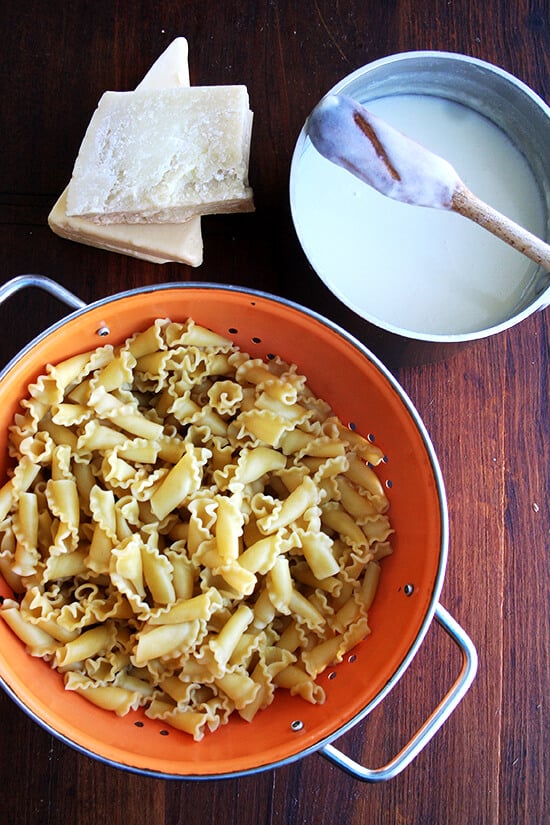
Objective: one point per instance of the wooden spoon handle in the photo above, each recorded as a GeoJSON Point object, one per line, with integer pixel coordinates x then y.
{"type": "Point", "coordinates": [466, 203]}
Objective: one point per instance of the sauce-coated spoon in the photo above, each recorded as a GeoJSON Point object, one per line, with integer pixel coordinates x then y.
{"type": "Point", "coordinates": [349, 135]}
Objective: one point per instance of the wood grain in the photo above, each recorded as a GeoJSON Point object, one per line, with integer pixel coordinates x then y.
{"type": "Point", "coordinates": [485, 405]}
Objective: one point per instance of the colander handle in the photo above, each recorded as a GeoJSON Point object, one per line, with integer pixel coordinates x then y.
{"type": "Point", "coordinates": [434, 721]}
{"type": "Point", "coordinates": [40, 281]}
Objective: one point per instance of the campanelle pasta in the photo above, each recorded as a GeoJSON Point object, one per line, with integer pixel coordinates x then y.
{"type": "Point", "coordinates": [187, 528]}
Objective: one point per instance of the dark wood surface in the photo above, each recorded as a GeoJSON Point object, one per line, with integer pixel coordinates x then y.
{"type": "Point", "coordinates": [485, 405]}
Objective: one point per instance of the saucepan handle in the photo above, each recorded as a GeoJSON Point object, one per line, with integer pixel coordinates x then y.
{"type": "Point", "coordinates": [434, 721]}
{"type": "Point", "coordinates": [24, 281]}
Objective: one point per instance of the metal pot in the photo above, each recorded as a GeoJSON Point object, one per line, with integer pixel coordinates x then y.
{"type": "Point", "coordinates": [336, 230]}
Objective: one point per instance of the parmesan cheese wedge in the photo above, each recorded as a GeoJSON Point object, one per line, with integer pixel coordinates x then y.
{"type": "Point", "coordinates": [158, 243]}
{"type": "Point", "coordinates": [164, 156]}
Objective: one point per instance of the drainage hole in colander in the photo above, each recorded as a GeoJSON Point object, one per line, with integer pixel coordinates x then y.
{"type": "Point", "coordinates": [103, 330]}
{"type": "Point", "coordinates": [332, 675]}
{"type": "Point", "coordinates": [352, 658]}
{"type": "Point", "coordinates": [389, 483]}
{"type": "Point", "coordinates": [138, 724]}
{"type": "Point", "coordinates": [164, 732]}
{"type": "Point", "coordinates": [233, 330]}
{"type": "Point", "coordinates": [256, 340]}
{"type": "Point", "coordinates": [296, 725]}
{"type": "Point", "coordinates": [408, 590]}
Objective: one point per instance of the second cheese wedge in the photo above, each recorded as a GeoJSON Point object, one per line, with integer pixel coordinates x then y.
{"type": "Point", "coordinates": [163, 156]}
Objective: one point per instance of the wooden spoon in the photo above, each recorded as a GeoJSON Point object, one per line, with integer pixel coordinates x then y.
{"type": "Point", "coordinates": [349, 135]}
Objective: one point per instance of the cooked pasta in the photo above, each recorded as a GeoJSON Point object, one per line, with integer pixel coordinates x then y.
{"type": "Point", "coordinates": [187, 529]}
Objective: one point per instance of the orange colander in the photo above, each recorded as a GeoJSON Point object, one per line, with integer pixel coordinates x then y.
{"type": "Point", "coordinates": [362, 393]}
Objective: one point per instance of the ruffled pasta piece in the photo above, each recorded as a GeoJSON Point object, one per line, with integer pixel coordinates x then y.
{"type": "Point", "coordinates": [26, 424]}
{"type": "Point", "coordinates": [25, 529]}
{"type": "Point", "coordinates": [331, 651]}
{"type": "Point", "coordinates": [157, 574]}
{"type": "Point", "coordinates": [239, 687]}
{"type": "Point", "coordinates": [317, 548]}
{"type": "Point", "coordinates": [150, 340]}
{"type": "Point", "coordinates": [50, 388]}
{"type": "Point", "coordinates": [105, 669]}
{"type": "Point", "coordinates": [261, 556]}
{"type": "Point", "coordinates": [381, 549]}
{"type": "Point", "coordinates": [182, 481]}
{"type": "Point", "coordinates": [218, 650]}
{"type": "Point", "coordinates": [109, 697]}
{"type": "Point", "coordinates": [67, 565]}
{"type": "Point", "coordinates": [69, 414]}
{"type": "Point", "coordinates": [272, 661]}
{"type": "Point", "coordinates": [155, 642]}
{"type": "Point", "coordinates": [116, 373]}
{"type": "Point", "coordinates": [298, 682]}
{"type": "Point", "coordinates": [366, 479]}
{"type": "Point", "coordinates": [36, 640]}
{"type": "Point", "coordinates": [306, 612]}
{"type": "Point", "coordinates": [41, 612]}
{"type": "Point", "coordinates": [225, 397]}
{"type": "Point", "coordinates": [335, 518]}
{"type": "Point", "coordinates": [202, 607]}
{"type": "Point", "coordinates": [12, 579]}
{"type": "Point", "coordinates": [126, 571]}
{"type": "Point", "coordinates": [305, 496]}
{"type": "Point", "coordinates": [38, 448]}
{"type": "Point", "coordinates": [89, 607]}
{"type": "Point", "coordinates": [193, 722]}
{"type": "Point", "coordinates": [184, 572]}
{"type": "Point", "coordinates": [63, 502]}
{"type": "Point", "coordinates": [358, 506]}
{"type": "Point", "coordinates": [369, 584]}
{"type": "Point", "coordinates": [192, 334]}
{"type": "Point", "coordinates": [97, 437]}
{"type": "Point", "coordinates": [153, 368]}
{"type": "Point", "coordinates": [24, 475]}
{"type": "Point", "coordinates": [201, 522]}
{"type": "Point", "coordinates": [260, 427]}
{"type": "Point", "coordinates": [94, 642]}
{"type": "Point", "coordinates": [253, 371]}
{"type": "Point", "coordinates": [102, 506]}
{"type": "Point", "coordinates": [264, 610]}
{"type": "Point", "coordinates": [279, 586]}
{"type": "Point", "coordinates": [301, 572]}
{"type": "Point", "coordinates": [228, 528]}
{"type": "Point", "coordinates": [377, 528]}
{"type": "Point", "coordinates": [254, 464]}
{"type": "Point", "coordinates": [293, 414]}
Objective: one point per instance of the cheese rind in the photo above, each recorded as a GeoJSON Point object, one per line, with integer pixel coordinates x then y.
{"type": "Point", "coordinates": [159, 244]}
{"type": "Point", "coordinates": [170, 69]}
{"type": "Point", "coordinates": [164, 156]}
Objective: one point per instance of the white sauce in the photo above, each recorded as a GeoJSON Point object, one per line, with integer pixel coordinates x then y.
{"type": "Point", "coordinates": [411, 268]}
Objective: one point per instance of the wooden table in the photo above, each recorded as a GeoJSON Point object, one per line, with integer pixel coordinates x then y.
{"type": "Point", "coordinates": [485, 406]}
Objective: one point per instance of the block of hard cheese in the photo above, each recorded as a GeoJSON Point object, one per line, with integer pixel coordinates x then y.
{"type": "Point", "coordinates": [163, 156]}
{"type": "Point", "coordinates": [159, 243]}
{"type": "Point", "coordinates": [155, 242]}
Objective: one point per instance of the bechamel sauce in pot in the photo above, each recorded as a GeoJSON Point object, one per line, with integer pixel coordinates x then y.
{"type": "Point", "coordinates": [414, 268]}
